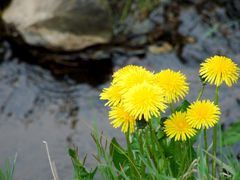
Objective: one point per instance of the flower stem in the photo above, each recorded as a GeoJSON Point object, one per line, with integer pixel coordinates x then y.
{"type": "Point", "coordinates": [130, 154]}
{"type": "Point", "coordinates": [215, 138]}
{"type": "Point", "coordinates": [201, 92]}
{"type": "Point", "coordinates": [140, 141]}
{"type": "Point", "coordinates": [206, 147]}
{"type": "Point", "coordinates": [171, 107]}
{"type": "Point", "coordinates": [155, 140]}
{"type": "Point", "coordinates": [216, 95]}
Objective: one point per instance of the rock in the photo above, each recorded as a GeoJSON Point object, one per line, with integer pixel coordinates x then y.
{"type": "Point", "coordinates": [143, 27]}
{"type": "Point", "coordinates": [138, 40]}
{"type": "Point", "coordinates": [164, 48]}
{"type": "Point", "coordinates": [157, 15]}
{"type": "Point", "coordinates": [59, 24]}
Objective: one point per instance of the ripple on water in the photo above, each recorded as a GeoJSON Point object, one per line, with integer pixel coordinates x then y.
{"type": "Point", "coordinates": [34, 107]}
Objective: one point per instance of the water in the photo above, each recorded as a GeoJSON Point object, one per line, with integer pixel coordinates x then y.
{"type": "Point", "coordinates": [59, 102]}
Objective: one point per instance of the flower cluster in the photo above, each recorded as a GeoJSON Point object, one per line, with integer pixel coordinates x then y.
{"type": "Point", "coordinates": [200, 114]}
{"type": "Point", "coordinates": [138, 94]}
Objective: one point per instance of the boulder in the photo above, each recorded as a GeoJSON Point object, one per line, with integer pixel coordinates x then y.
{"type": "Point", "coordinates": [67, 25]}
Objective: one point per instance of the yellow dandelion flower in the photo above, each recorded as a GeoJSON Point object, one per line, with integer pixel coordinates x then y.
{"type": "Point", "coordinates": [178, 128]}
{"type": "Point", "coordinates": [112, 94]}
{"type": "Point", "coordinates": [119, 117]}
{"type": "Point", "coordinates": [144, 101]}
{"type": "Point", "coordinates": [173, 83]}
{"type": "Point", "coordinates": [203, 114]}
{"type": "Point", "coordinates": [130, 76]}
{"type": "Point", "coordinates": [119, 73]}
{"type": "Point", "coordinates": [219, 69]}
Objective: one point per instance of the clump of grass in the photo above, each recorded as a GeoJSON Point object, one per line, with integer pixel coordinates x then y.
{"type": "Point", "coordinates": [6, 172]}
{"type": "Point", "coordinates": [114, 161]}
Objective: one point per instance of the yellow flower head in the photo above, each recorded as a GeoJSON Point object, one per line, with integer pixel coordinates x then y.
{"type": "Point", "coordinates": [123, 71]}
{"type": "Point", "coordinates": [178, 128]}
{"type": "Point", "coordinates": [173, 83]}
{"type": "Point", "coordinates": [219, 69]}
{"type": "Point", "coordinates": [130, 76]}
{"type": "Point", "coordinates": [144, 101]}
{"type": "Point", "coordinates": [203, 114]}
{"type": "Point", "coordinates": [119, 117]}
{"type": "Point", "coordinates": [112, 94]}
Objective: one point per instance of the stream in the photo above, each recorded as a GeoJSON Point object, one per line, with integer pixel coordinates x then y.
{"type": "Point", "coordinates": [37, 104]}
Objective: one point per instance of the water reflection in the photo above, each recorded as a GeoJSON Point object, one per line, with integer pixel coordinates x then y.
{"type": "Point", "coordinates": [36, 106]}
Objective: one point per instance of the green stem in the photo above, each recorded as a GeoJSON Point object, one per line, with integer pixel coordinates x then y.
{"type": "Point", "coordinates": [140, 140]}
{"type": "Point", "coordinates": [215, 138]}
{"type": "Point", "coordinates": [151, 148]}
{"type": "Point", "coordinates": [206, 147]}
{"type": "Point", "coordinates": [171, 107]}
{"type": "Point", "coordinates": [216, 95]}
{"type": "Point", "coordinates": [189, 144]}
{"type": "Point", "coordinates": [201, 92]}
{"type": "Point", "coordinates": [130, 154]}
{"type": "Point", "coordinates": [155, 140]}
{"type": "Point", "coordinates": [221, 146]}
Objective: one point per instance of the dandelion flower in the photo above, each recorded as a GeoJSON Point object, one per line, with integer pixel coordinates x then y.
{"type": "Point", "coordinates": [203, 114]}
{"type": "Point", "coordinates": [119, 117]}
{"type": "Point", "coordinates": [178, 128]}
{"type": "Point", "coordinates": [173, 83]}
{"type": "Point", "coordinates": [219, 69]}
{"type": "Point", "coordinates": [130, 76]}
{"type": "Point", "coordinates": [123, 71]}
{"type": "Point", "coordinates": [112, 94]}
{"type": "Point", "coordinates": [144, 101]}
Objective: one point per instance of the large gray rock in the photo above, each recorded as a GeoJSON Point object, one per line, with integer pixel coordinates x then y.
{"type": "Point", "coordinates": [61, 24]}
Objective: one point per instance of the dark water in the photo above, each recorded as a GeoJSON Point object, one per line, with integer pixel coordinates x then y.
{"type": "Point", "coordinates": [37, 104]}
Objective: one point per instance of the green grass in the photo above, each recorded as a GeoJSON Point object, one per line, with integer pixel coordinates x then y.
{"type": "Point", "coordinates": [148, 154]}
{"type": "Point", "coordinates": [6, 172]}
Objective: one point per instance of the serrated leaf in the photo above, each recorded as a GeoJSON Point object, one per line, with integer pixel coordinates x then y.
{"type": "Point", "coordinates": [80, 172]}
{"type": "Point", "coordinates": [178, 152]}
{"type": "Point", "coordinates": [118, 154]}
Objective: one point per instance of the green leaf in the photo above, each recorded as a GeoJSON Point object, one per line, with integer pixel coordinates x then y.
{"type": "Point", "coordinates": [155, 122]}
{"type": "Point", "coordinates": [231, 135]}
{"type": "Point", "coordinates": [183, 107]}
{"type": "Point", "coordinates": [80, 172]}
{"type": "Point", "coordinates": [118, 154]}
{"type": "Point", "coordinates": [160, 134]}
{"type": "Point", "coordinates": [6, 173]}
{"type": "Point", "coordinates": [180, 155]}
{"type": "Point", "coordinates": [195, 138]}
